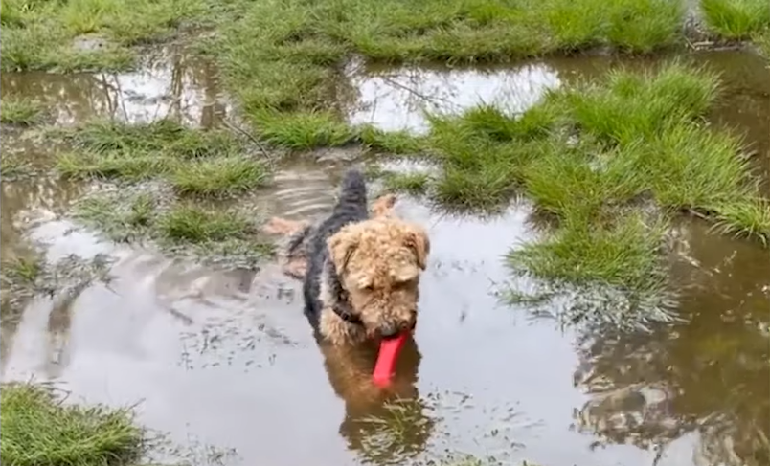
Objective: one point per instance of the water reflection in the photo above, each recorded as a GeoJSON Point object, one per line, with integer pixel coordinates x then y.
{"type": "Point", "coordinates": [384, 426]}
{"type": "Point", "coordinates": [170, 84]}
{"type": "Point", "coordinates": [708, 376]}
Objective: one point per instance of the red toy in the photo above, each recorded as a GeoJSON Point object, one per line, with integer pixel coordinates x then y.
{"type": "Point", "coordinates": [385, 367]}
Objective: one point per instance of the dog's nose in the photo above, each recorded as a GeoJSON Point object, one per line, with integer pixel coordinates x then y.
{"type": "Point", "coordinates": [389, 330]}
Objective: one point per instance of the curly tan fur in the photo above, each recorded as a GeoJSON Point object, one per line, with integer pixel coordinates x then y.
{"type": "Point", "coordinates": [295, 264]}
{"type": "Point", "coordinates": [378, 261]}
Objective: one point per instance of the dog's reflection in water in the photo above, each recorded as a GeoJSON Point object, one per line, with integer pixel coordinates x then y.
{"type": "Point", "coordinates": [383, 425]}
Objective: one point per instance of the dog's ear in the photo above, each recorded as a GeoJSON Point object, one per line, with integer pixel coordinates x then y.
{"type": "Point", "coordinates": [417, 240]}
{"type": "Point", "coordinates": [341, 247]}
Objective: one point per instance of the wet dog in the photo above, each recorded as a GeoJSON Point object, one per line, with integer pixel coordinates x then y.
{"type": "Point", "coordinates": [363, 272]}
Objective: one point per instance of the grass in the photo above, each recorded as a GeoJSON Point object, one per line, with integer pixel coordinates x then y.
{"type": "Point", "coordinates": [607, 162]}
{"type": "Point", "coordinates": [39, 429]}
{"type": "Point", "coordinates": [40, 34]}
{"type": "Point", "coordinates": [20, 111]}
{"type": "Point", "coordinates": [281, 57]}
{"type": "Point", "coordinates": [410, 182]}
{"type": "Point", "coordinates": [175, 226]}
{"type": "Point", "coordinates": [208, 163]}
{"type": "Point", "coordinates": [221, 176]}
{"type": "Point", "coordinates": [736, 19]}
{"type": "Point", "coordinates": [22, 270]}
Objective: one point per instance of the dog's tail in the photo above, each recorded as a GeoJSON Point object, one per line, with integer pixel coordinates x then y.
{"type": "Point", "coordinates": [297, 240]}
{"type": "Point", "coordinates": [353, 191]}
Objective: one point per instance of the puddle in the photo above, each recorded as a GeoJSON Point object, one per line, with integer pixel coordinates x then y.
{"type": "Point", "coordinates": [396, 98]}
{"type": "Point", "coordinates": [226, 356]}
{"type": "Point", "coordinates": [171, 84]}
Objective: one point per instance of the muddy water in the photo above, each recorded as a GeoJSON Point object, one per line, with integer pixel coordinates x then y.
{"type": "Point", "coordinates": [224, 357]}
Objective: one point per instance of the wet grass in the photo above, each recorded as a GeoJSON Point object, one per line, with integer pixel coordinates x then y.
{"type": "Point", "coordinates": [20, 111]}
{"type": "Point", "coordinates": [607, 162]}
{"type": "Point", "coordinates": [146, 214]}
{"type": "Point", "coordinates": [220, 176]}
{"type": "Point", "coordinates": [411, 182]}
{"type": "Point", "coordinates": [41, 35]}
{"type": "Point", "coordinates": [737, 19]}
{"type": "Point", "coordinates": [39, 429]}
{"type": "Point", "coordinates": [207, 163]}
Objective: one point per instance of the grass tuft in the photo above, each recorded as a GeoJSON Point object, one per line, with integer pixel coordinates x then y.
{"type": "Point", "coordinates": [41, 35]}
{"type": "Point", "coordinates": [413, 182]}
{"type": "Point", "coordinates": [303, 130]}
{"type": "Point", "coordinates": [736, 19]}
{"type": "Point", "coordinates": [394, 142]}
{"type": "Point", "coordinates": [39, 429]}
{"type": "Point", "coordinates": [220, 176]}
{"type": "Point", "coordinates": [624, 253]}
{"type": "Point", "coordinates": [179, 227]}
{"type": "Point", "coordinates": [592, 157]}
{"type": "Point", "coordinates": [195, 225]}
{"type": "Point", "coordinates": [20, 111]}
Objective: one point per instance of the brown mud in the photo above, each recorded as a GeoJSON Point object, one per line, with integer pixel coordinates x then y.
{"type": "Point", "coordinates": [224, 356]}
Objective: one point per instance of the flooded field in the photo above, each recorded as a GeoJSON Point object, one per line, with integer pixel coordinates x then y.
{"type": "Point", "coordinates": [224, 357]}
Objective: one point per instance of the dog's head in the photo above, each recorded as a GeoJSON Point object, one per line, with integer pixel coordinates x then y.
{"type": "Point", "coordinates": [379, 262]}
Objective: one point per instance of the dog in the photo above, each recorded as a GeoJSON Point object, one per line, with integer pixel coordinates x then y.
{"type": "Point", "coordinates": [361, 272]}
{"type": "Point", "coordinates": [362, 278]}
{"type": "Point", "coordinates": [295, 260]}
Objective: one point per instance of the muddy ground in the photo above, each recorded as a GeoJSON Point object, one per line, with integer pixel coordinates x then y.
{"type": "Point", "coordinates": [223, 357]}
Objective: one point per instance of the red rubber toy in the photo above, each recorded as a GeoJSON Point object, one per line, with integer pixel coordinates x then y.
{"type": "Point", "coordinates": [385, 367]}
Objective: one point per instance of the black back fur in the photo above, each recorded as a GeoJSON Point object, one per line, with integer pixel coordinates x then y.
{"type": "Point", "coordinates": [351, 207]}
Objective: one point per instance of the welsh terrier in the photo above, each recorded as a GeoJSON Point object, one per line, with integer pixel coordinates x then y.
{"type": "Point", "coordinates": [362, 278]}
{"type": "Point", "coordinates": [361, 285]}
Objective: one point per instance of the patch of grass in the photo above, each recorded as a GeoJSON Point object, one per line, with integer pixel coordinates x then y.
{"type": "Point", "coordinates": [394, 142]}
{"type": "Point", "coordinates": [304, 130]}
{"type": "Point", "coordinates": [22, 269]}
{"type": "Point", "coordinates": [41, 35]}
{"type": "Point", "coordinates": [413, 183]}
{"type": "Point", "coordinates": [736, 19]}
{"type": "Point", "coordinates": [628, 106]}
{"type": "Point", "coordinates": [188, 223]}
{"type": "Point", "coordinates": [20, 111]}
{"type": "Point", "coordinates": [622, 253]}
{"type": "Point", "coordinates": [124, 165]}
{"type": "Point", "coordinates": [285, 55]}
{"type": "Point", "coordinates": [194, 161]}
{"type": "Point", "coordinates": [39, 429]}
{"type": "Point", "coordinates": [745, 218]}
{"type": "Point", "coordinates": [163, 136]}
{"type": "Point", "coordinates": [220, 176]}
{"type": "Point", "coordinates": [591, 157]}
{"type": "Point", "coordinates": [146, 215]}
{"type": "Point", "coordinates": [12, 166]}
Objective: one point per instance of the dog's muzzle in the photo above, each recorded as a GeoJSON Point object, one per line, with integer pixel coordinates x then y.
{"type": "Point", "coordinates": [392, 329]}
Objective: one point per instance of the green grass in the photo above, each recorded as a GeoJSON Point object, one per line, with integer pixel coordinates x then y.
{"type": "Point", "coordinates": [394, 142]}
{"type": "Point", "coordinates": [20, 111]}
{"type": "Point", "coordinates": [281, 58]}
{"type": "Point", "coordinates": [40, 35]}
{"type": "Point", "coordinates": [304, 130]}
{"type": "Point", "coordinates": [736, 19]}
{"type": "Point", "coordinates": [220, 176]}
{"type": "Point", "coordinates": [188, 223]}
{"type": "Point", "coordinates": [592, 157]}
{"type": "Point", "coordinates": [12, 165]}
{"type": "Point", "coordinates": [410, 182]}
{"type": "Point", "coordinates": [22, 270]}
{"type": "Point", "coordinates": [144, 215]}
{"type": "Point", "coordinates": [211, 163]}
{"type": "Point", "coordinates": [38, 429]}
